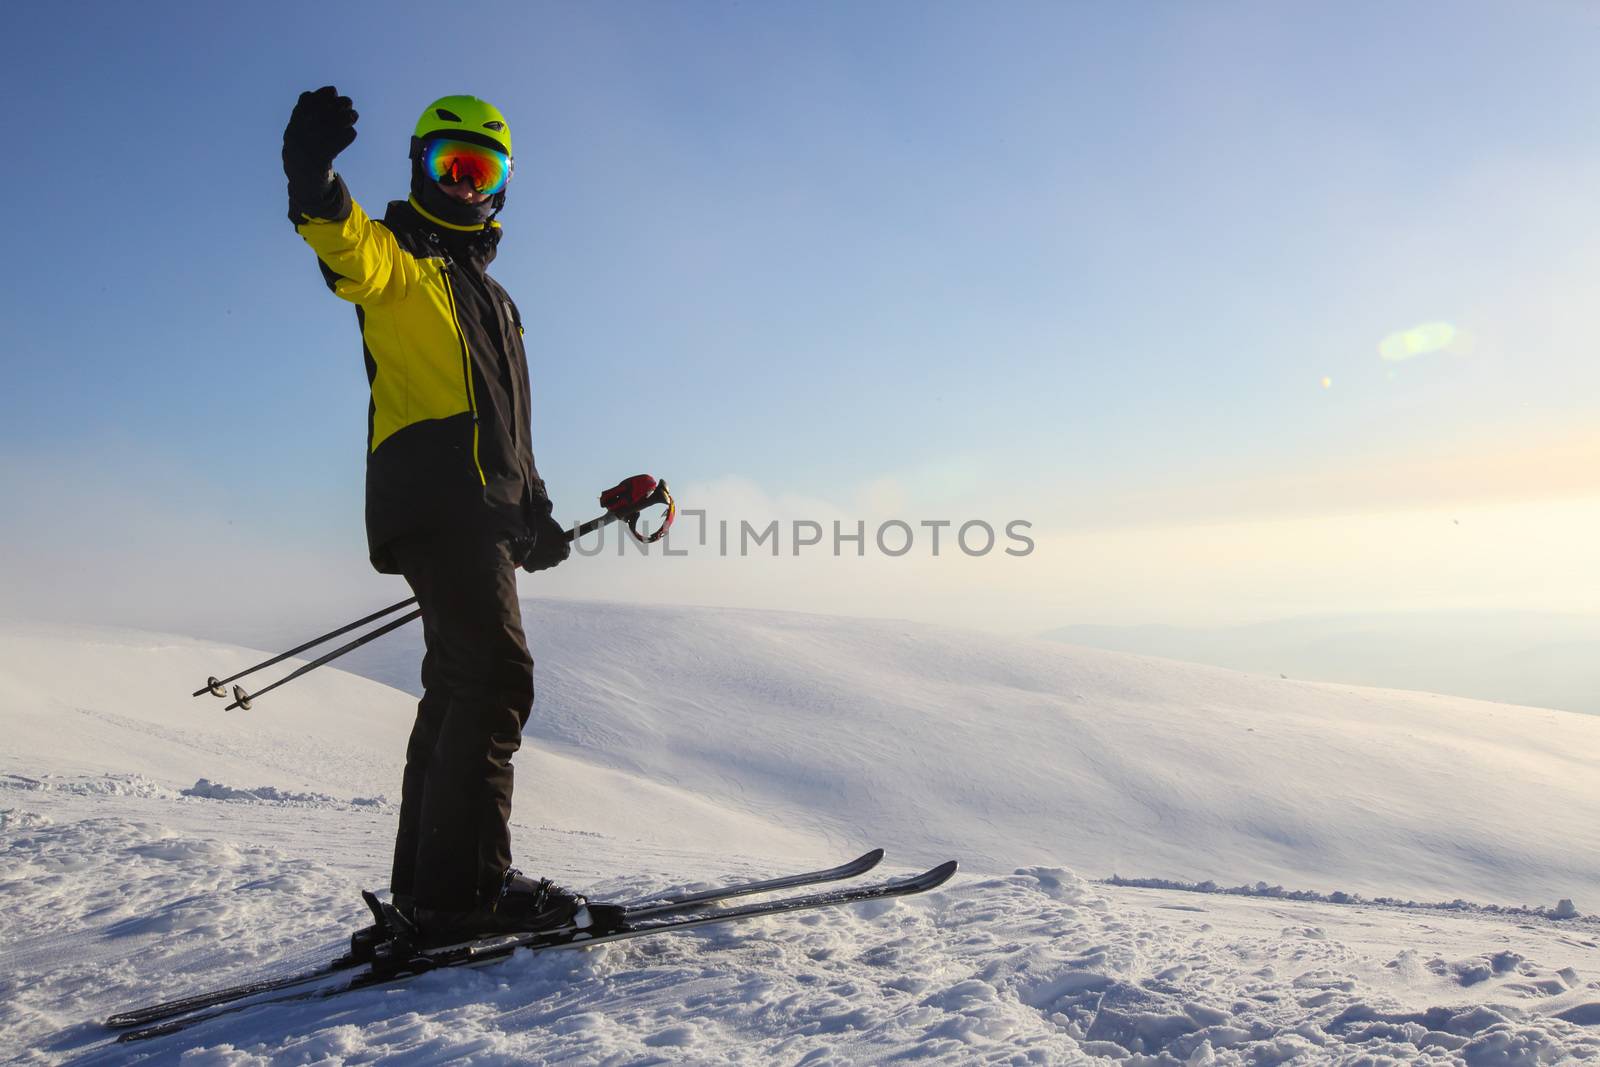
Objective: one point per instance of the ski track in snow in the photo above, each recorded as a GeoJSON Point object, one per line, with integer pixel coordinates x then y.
{"type": "Point", "coordinates": [143, 858]}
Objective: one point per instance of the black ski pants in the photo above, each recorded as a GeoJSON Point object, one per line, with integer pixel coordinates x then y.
{"type": "Point", "coordinates": [454, 842]}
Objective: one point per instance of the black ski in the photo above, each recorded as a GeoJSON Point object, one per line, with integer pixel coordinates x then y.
{"type": "Point", "coordinates": [674, 901]}
{"type": "Point", "coordinates": [495, 949]}
{"type": "Point", "coordinates": [648, 906]}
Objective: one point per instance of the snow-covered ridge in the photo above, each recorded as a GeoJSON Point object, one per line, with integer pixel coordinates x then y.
{"type": "Point", "coordinates": [1006, 752]}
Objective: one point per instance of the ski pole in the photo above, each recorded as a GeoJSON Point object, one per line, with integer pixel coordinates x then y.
{"type": "Point", "coordinates": [623, 501]}
{"type": "Point", "coordinates": [241, 699]}
{"type": "Point", "coordinates": [214, 685]}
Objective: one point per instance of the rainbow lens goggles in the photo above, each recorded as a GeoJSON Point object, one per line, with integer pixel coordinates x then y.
{"type": "Point", "coordinates": [453, 161]}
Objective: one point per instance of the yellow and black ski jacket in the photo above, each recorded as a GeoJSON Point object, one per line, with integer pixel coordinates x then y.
{"type": "Point", "coordinates": [448, 426]}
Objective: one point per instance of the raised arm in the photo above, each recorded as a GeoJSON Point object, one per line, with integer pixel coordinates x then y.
{"type": "Point", "coordinates": [361, 260]}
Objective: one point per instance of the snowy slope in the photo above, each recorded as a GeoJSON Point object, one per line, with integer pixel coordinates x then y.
{"type": "Point", "coordinates": [85, 701]}
{"type": "Point", "coordinates": [1008, 752]}
{"type": "Point", "coordinates": [724, 729]}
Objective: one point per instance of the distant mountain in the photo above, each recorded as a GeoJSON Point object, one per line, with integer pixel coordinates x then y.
{"type": "Point", "coordinates": [1536, 659]}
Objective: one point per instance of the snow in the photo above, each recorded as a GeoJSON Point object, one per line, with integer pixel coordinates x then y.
{"type": "Point", "coordinates": [151, 845]}
{"type": "Point", "coordinates": [1005, 751]}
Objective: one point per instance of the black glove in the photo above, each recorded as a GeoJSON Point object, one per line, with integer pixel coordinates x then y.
{"type": "Point", "coordinates": [547, 547]}
{"type": "Point", "coordinates": [321, 126]}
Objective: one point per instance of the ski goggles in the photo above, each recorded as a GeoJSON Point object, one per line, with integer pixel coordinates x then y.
{"type": "Point", "coordinates": [453, 161]}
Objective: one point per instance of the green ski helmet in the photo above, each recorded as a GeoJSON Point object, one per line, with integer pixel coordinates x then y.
{"type": "Point", "coordinates": [465, 118]}
{"type": "Point", "coordinates": [462, 118]}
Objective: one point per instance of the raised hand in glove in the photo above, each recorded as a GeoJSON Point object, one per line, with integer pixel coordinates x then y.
{"type": "Point", "coordinates": [321, 126]}
{"type": "Point", "coordinates": [548, 546]}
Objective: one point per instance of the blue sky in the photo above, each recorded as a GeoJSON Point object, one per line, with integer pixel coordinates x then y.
{"type": "Point", "coordinates": [1090, 264]}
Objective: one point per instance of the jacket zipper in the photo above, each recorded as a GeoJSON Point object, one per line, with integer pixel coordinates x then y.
{"type": "Point", "coordinates": [504, 321]}
{"type": "Point", "coordinates": [466, 371]}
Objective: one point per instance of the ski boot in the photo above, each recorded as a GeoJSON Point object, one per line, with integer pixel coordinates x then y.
{"type": "Point", "coordinates": [523, 906]}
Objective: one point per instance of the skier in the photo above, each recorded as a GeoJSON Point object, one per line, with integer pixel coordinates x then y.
{"type": "Point", "coordinates": [453, 500]}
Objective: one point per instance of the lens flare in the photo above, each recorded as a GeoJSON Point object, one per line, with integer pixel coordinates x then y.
{"type": "Point", "coordinates": [1422, 340]}
{"type": "Point", "coordinates": [1327, 383]}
